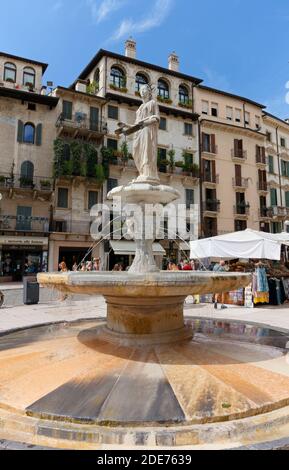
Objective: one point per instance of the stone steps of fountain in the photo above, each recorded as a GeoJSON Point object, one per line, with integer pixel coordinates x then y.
{"type": "Point", "coordinates": [33, 431]}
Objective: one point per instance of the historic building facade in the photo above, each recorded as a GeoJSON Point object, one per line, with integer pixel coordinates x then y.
{"type": "Point", "coordinates": [60, 156]}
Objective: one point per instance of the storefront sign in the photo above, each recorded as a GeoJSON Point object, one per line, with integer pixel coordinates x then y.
{"type": "Point", "coordinates": [25, 241]}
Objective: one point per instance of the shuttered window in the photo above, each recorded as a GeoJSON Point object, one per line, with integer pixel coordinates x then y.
{"type": "Point", "coordinates": [92, 199]}
{"type": "Point", "coordinates": [273, 197]}
{"type": "Point", "coordinates": [271, 163]}
{"type": "Point", "coordinates": [94, 119]}
{"type": "Point", "coordinates": [23, 218]}
{"type": "Point", "coordinates": [111, 184]}
{"type": "Point", "coordinates": [287, 198]}
{"type": "Point", "coordinates": [39, 135]}
{"type": "Point", "coordinates": [112, 112]}
{"type": "Point", "coordinates": [62, 199]}
{"type": "Point", "coordinates": [190, 198]}
{"type": "Point", "coordinates": [67, 110]}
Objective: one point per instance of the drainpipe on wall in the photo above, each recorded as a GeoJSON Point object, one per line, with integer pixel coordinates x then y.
{"type": "Point", "coordinates": [279, 166]}
{"type": "Point", "coordinates": [200, 163]}
{"type": "Point", "coordinates": [201, 178]}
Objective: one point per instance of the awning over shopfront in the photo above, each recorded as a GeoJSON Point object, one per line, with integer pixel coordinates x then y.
{"type": "Point", "coordinates": [124, 247]}
{"type": "Point", "coordinates": [245, 244]}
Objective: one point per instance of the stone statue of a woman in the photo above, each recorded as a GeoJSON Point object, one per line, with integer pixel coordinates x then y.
{"type": "Point", "coordinates": [145, 142]}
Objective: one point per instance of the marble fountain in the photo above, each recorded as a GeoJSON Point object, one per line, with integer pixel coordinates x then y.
{"type": "Point", "coordinates": [145, 375]}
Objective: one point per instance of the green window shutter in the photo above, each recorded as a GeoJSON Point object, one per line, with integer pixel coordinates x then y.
{"type": "Point", "coordinates": [287, 198]}
{"type": "Point", "coordinates": [190, 197]}
{"type": "Point", "coordinates": [273, 194]}
{"type": "Point", "coordinates": [67, 110]}
{"type": "Point", "coordinates": [20, 131]}
{"type": "Point", "coordinates": [283, 168]}
{"type": "Point", "coordinates": [94, 119]}
{"type": "Point", "coordinates": [39, 134]}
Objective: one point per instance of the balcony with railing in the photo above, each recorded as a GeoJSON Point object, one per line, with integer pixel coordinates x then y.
{"type": "Point", "coordinates": [25, 183]}
{"type": "Point", "coordinates": [242, 209]}
{"type": "Point", "coordinates": [278, 212]}
{"type": "Point", "coordinates": [14, 223]}
{"type": "Point", "coordinates": [212, 205]}
{"type": "Point", "coordinates": [81, 126]}
{"type": "Point", "coordinates": [238, 154]}
{"type": "Point", "coordinates": [240, 183]}
{"type": "Point", "coordinates": [209, 148]}
{"type": "Point", "coordinates": [262, 186]}
{"type": "Point", "coordinates": [81, 227]}
{"type": "Point", "coordinates": [264, 212]}
{"type": "Point", "coordinates": [211, 178]}
{"type": "Point", "coordinates": [261, 159]}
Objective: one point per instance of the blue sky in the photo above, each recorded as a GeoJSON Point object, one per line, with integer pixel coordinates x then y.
{"type": "Point", "coordinates": [236, 45]}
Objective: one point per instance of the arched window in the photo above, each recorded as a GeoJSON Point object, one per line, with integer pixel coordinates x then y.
{"type": "Point", "coordinates": [27, 170]}
{"type": "Point", "coordinates": [163, 89]}
{"type": "Point", "coordinates": [140, 80]}
{"type": "Point", "coordinates": [117, 77]}
{"type": "Point", "coordinates": [184, 97]}
{"type": "Point", "coordinates": [29, 77]}
{"type": "Point", "coordinates": [9, 72]}
{"type": "Point", "coordinates": [29, 133]}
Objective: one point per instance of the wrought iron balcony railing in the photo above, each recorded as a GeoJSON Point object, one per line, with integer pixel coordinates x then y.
{"type": "Point", "coordinates": [8, 181]}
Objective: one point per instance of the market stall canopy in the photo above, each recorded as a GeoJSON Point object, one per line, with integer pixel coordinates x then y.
{"type": "Point", "coordinates": [123, 247]}
{"type": "Point", "coordinates": [245, 244]}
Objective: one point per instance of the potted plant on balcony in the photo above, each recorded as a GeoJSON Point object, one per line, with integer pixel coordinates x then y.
{"type": "Point", "coordinates": [26, 182]}
{"type": "Point", "coordinates": [161, 99]}
{"type": "Point", "coordinates": [45, 185]}
{"type": "Point", "coordinates": [92, 88]}
{"type": "Point", "coordinates": [9, 80]}
{"type": "Point", "coordinates": [30, 86]}
{"type": "Point", "coordinates": [171, 160]}
{"type": "Point", "coordinates": [186, 104]}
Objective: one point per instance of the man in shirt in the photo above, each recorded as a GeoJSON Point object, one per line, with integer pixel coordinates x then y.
{"type": "Point", "coordinates": [220, 268]}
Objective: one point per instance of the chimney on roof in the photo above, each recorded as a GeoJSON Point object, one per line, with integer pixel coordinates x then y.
{"type": "Point", "coordinates": [174, 62]}
{"type": "Point", "coordinates": [130, 48]}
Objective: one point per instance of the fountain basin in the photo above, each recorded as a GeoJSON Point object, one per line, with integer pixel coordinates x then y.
{"type": "Point", "coordinates": [144, 309]}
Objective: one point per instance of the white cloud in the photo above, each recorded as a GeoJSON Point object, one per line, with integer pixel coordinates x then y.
{"type": "Point", "coordinates": [57, 5]}
{"type": "Point", "coordinates": [156, 17]}
{"type": "Point", "coordinates": [101, 11]}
